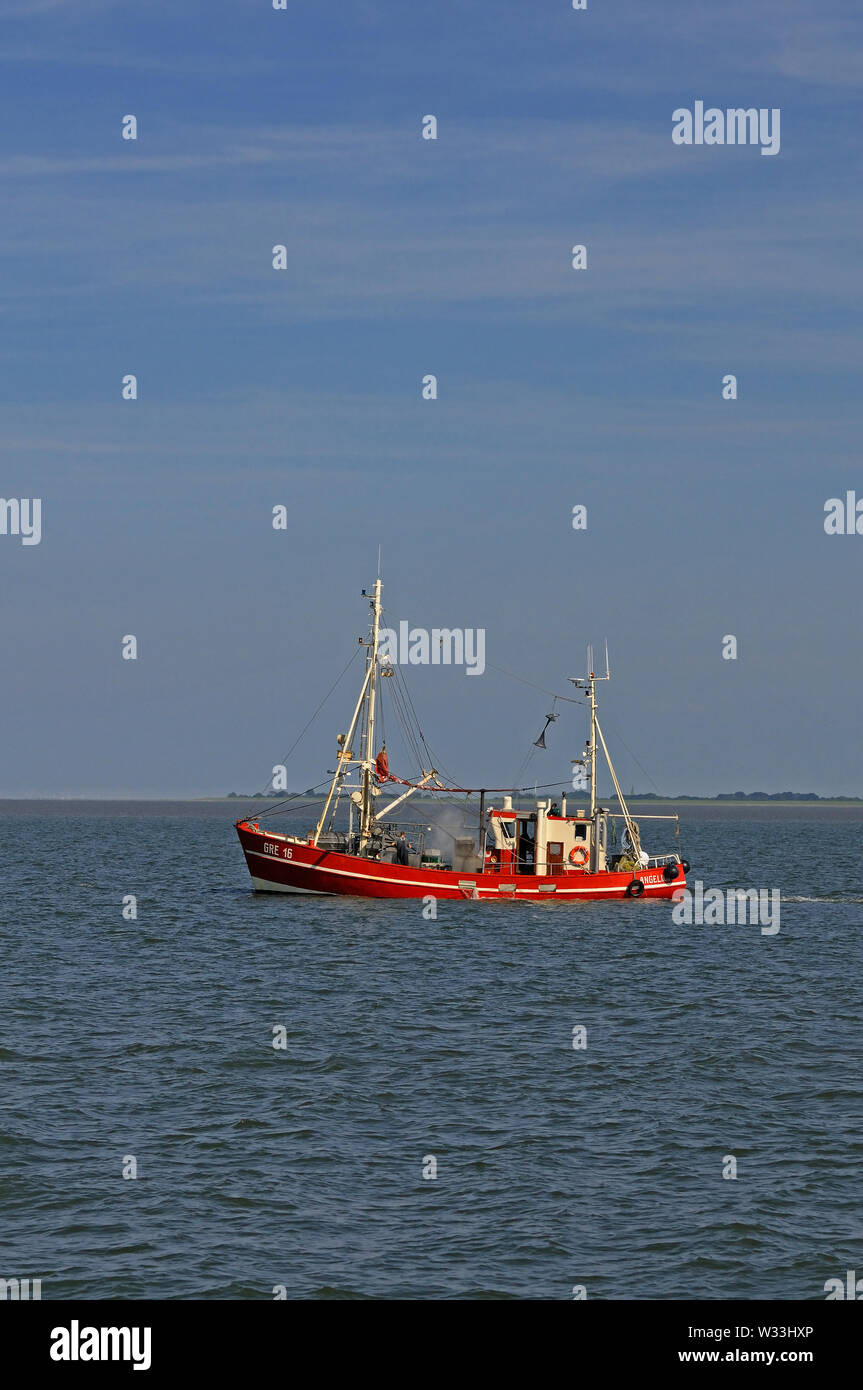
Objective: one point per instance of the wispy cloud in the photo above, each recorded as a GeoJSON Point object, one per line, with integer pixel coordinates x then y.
{"type": "Point", "coordinates": [80, 9]}
{"type": "Point", "coordinates": [490, 427]}
{"type": "Point", "coordinates": [374, 222]}
{"type": "Point", "coordinates": [821, 50]}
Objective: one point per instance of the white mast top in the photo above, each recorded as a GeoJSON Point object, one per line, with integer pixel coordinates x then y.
{"type": "Point", "coordinates": [590, 682]}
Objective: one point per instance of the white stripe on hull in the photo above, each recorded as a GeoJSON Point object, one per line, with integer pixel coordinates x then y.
{"type": "Point", "coordinates": [266, 885]}
{"type": "Point", "coordinates": [270, 886]}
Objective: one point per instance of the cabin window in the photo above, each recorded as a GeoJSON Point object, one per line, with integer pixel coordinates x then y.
{"type": "Point", "coordinates": [526, 832]}
{"type": "Point", "coordinates": [580, 832]}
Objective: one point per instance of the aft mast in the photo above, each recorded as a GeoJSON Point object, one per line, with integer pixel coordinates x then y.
{"type": "Point", "coordinates": [590, 683]}
{"type": "Point", "coordinates": [596, 733]}
{"type": "Point", "coordinates": [592, 679]}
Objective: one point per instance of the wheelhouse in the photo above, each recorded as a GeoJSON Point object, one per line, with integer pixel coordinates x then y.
{"type": "Point", "coordinates": [544, 840]}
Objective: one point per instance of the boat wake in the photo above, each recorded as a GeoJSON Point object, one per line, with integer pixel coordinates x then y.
{"type": "Point", "coordinates": [794, 898]}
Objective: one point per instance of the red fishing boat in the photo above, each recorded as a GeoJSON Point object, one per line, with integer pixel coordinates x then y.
{"type": "Point", "coordinates": [519, 851]}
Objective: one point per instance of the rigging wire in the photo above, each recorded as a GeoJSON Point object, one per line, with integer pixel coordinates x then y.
{"type": "Point", "coordinates": [382, 741]}
{"type": "Point", "coordinates": [435, 763]}
{"type": "Point", "coordinates": [404, 722]}
{"type": "Point", "coordinates": [527, 757]}
{"type": "Point", "coordinates": [413, 720]}
{"type": "Point", "coordinates": [315, 715]}
{"type": "Point", "coordinates": [619, 736]}
{"type": "Point", "coordinates": [297, 796]}
{"type": "Point", "coordinates": [407, 713]}
{"type": "Point", "coordinates": [416, 742]}
{"type": "Point", "coordinates": [568, 698]}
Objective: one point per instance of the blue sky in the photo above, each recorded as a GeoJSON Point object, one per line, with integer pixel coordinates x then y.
{"type": "Point", "coordinates": [302, 387]}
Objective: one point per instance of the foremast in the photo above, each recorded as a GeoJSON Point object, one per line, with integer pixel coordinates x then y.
{"type": "Point", "coordinates": [367, 749]}
{"type": "Point", "coordinates": [364, 719]}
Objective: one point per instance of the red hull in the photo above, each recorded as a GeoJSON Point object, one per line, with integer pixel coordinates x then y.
{"type": "Point", "coordinates": [281, 865]}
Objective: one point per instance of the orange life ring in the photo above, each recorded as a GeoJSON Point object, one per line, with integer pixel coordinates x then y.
{"type": "Point", "coordinates": [579, 856]}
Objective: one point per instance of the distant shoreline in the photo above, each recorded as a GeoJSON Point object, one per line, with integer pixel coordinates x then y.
{"type": "Point", "coordinates": [300, 801]}
{"type": "Point", "coordinates": [644, 799]}
{"type": "Point", "coordinates": [223, 812]}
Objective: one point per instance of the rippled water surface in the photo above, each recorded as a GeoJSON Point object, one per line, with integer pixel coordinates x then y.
{"type": "Point", "coordinates": [409, 1038]}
